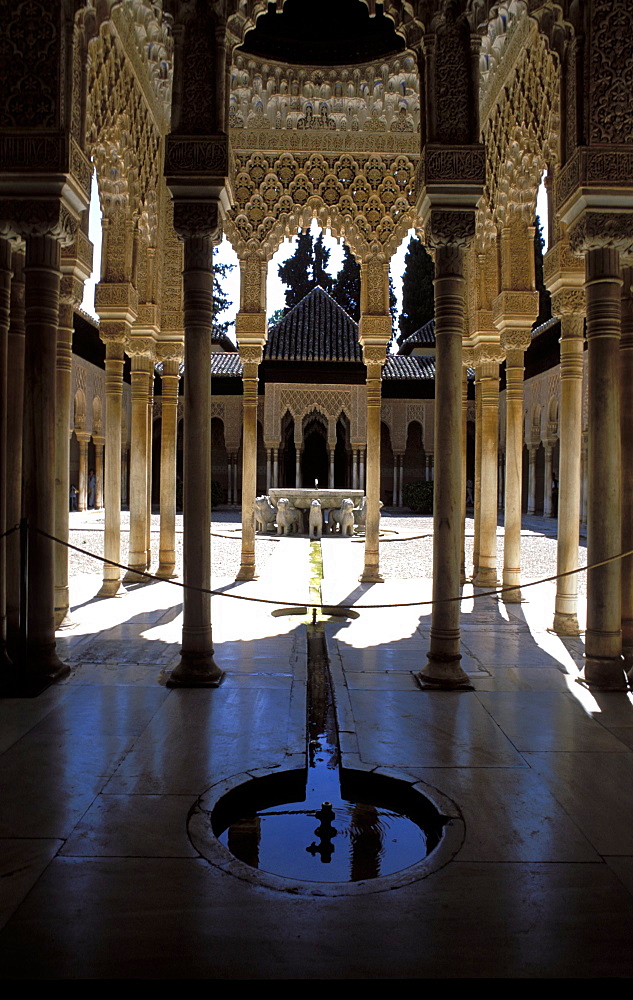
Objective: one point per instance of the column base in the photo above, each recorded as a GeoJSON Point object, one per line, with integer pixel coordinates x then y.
{"type": "Point", "coordinates": [444, 672]}
{"type": "Point", "coordinates": [511, 596]}
{"type": "Point", "coordinates": [604, 674]}
{"type": "Point", "coordinates": [246, 573]}
{"type": "Point", "coordinates": [371, 576]}
{"type": "Point", "coordinates": [135, 574]}
{"type": "Point", "coordinates": [486, 578]}
{"type": "Point", "coordinates": [29, 679]}
{"type": "Point", "coordinates": [167, 571]}
{"type": "Point", "coordinates": [565, 624]}
{"type": "Point", "coordinates": [196, 670]}
{"type": "Point", "coordinates": [112, 588]}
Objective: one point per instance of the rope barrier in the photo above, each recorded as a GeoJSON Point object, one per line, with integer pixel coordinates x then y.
{"type": "Point", "coordinates": [335, 607]}
{"type": "Point", "coordinates": [9, 531]}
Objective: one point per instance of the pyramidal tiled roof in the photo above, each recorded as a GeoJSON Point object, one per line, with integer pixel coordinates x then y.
{"type": "Point", "coordinates": [226, 363]}
{"type": "Point", "coordinates": [401, 366]}
{"type": "Point", "coordinates": [424, 337]}
{"type": "Point", "coordinates": [316, 329]}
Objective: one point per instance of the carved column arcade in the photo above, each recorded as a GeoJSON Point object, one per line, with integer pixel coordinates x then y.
{"type": "Point", "coordinates": [515, 343]}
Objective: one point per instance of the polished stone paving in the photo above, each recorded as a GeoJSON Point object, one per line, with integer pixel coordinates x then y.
{"type": "Point", "coordinates": [100, 879]}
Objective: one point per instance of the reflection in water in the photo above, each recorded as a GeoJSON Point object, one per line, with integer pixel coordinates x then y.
{"type": "Point", "coordinates": [305, 839]}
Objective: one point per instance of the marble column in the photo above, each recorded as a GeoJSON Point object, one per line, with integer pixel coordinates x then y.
{"type": "Point", "coordinates": [570, 440]}
{"type": "Point", "coordinates": [114, 335]}
{"type": "Point", "coordinates": [515, 343]}
{"type": "Point", "coordinates": [42, 276]}
{"type": "Point", "coordinates": [251, 355]}
{"type": "Point", "coordinates": [531, 505]}
{"type": "Point", "coordinates": [488, 358]}
{"type": "Point", "coordinates": [477, 482]}
{"type": "Point", "coordinates": [269, 467]}
{"type": "Point", "coordinates": [443, 668]}
{"type": "Point", "coordinates": [148, 479]}
{"type": "Point", "coordinates": [429, 468]}
{"type": "Point", "coordinates": [361, 469]}
{"type": "Point", "coordinates": [626, 381]}
{"type": "Point", "coordinates": [168, 438]}
{"type": "Point", "coordinates": [374, 357]}
{"type": "Point", "coordinates": [354, 468]}
{"type": "Point", "coordinates": [197, 667]}
{"type": "Point", "coordinates": [401, 487]}
{"type": "Point", "coordinates": [83, 437]}
{"type": "Point", "coordinates": [142, 370]}
{"type": "Point", "coordinates": [547, 485]}
{"type": "Point", "coordinates": [298, 449]}
{"type": "Point", "coordinates": [331, 468]}
{"type": "Point", "coordinates": [15, 364]}
{"type": "Point", "coordinates": [63, 391]}
{"type": "Point", "coordinates": [6, 274]}
{"type": "Point", "coordinates": [99, 443]}
{"type": "Point", "coordinates": [276, 467]}
{"type": "Point", "coordinates": [603, 645]}
{"type": "Point", "coordinates": [467, 360]}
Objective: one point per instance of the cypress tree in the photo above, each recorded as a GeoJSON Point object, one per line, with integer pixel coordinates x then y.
{"type": "Point", "coordinates": [346, 287]}
{"type": "Point", "coordinates": [296, 272]}
{"type": "Point", "coordinates": [418, 305]}
{"type": "Point", "coordinates": [321, 257]}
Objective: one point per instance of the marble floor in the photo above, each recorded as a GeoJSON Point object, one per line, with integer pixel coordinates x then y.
{"type": "Point", "coordinates": [99, 774]}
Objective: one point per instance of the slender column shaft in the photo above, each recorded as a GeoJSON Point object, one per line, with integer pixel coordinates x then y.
{"type": "Point", "coordinates": [82, 500]}
{"type": "Point", "coordinates": [355, 469]}
{"type": "Point", "coordinates": [297, 465]}
{"type": "Point", "coordinates": [477, 483]}
{"type": "Point", "coordinates": [371, 571]}
{"type": "Point", "coordinates": [137, 556]}
{"type": "Point", "coordinates": [197, 666]}
{"type": "Point", "coordinates": [62, 456]}
{"type": "Point", "coordinates": [148, 475]}
{"type": "Point", "coordinates": [401, 491]}
{"type": "Point", "coordinates": [361, 470]}
{"type": "Point", "coordinates": [443, 666]}
{"type": "Point", "coordinates": [276, 467]}
{"type": "Point", "coordinates": [514, 468]}
{"type": "Point", "coordinates": [547, 486]}
{"type": "Point", "coordinates": [489, 390]}
{"type": "Point", "coordinates": [584, 480]}
{"type": "Point", "coordinates": [331, 470]}
{"type": "Point", "coordinates": [15, 364]}
{"type": "Point", "coordinates": [269, 465]}
{"type": "Point", "coordinates": [111, 585]}
{"type": "Point", "coordinates": [462, 558]}
{"type": "Point", "coordinates": [5, 304]}
{"type": "Point", "coordinates": [626, 381]}
{"type": "Point", "coordinates": [531, 507]}
{"type": "Point", "coordinates": [395, 481]}
{"type": "Point", "coordinates": [43, 275]}
{"type": "Point", "coordinates": [603, 664]}
{"type": "Point", "coordinates": [168, 437]}
{"type": "Point", "coordinates": [570, 439]}
{"type": "Point", "coordinates": [99, 442]}
{"type": "Point", "coordinates": [247, 570]}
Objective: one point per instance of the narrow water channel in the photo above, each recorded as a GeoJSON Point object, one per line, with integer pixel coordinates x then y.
{"type": "Point", "coordinates": [334, 833]}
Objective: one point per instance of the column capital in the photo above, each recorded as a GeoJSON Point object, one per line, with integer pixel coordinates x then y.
{"type": "Point", "coordinates": [140, 349]}
{"type": "Point", "coordinates": [488, 352]}
{"type": "Point", "coordinates": [170, 352]}
{"type": "Point", "coordinates": [598, 230]}
{"type": "Point", "coordinates": [570, 300]}
{"type": "Point", "coordinates": [250, 328]}
{"type": "Point", "coordinates": [448, 227]}
{"type": "Point", "coordinates": [516, 340]}
{"type": "Point", "coordinates": [514, 309]}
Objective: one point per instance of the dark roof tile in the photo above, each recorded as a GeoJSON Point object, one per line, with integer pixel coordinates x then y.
{"type": "Point", "coordinates": [316, 329]}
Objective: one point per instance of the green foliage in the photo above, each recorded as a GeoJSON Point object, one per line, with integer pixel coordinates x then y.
{"type": "Point", "coordinates": [217, 493]}
{"type": "Point", "coordinates": [221, 301]}
{"type": "Point", "coordinates": [321, 257]}
{"type": "Point", "coordinates": [544, 297]}
{"type": "Point", "coordinates": [346, 287]}
{"type": "Point", "coordinates": [418, 305]}
{"type": "Point", "coordinates": [419, 497]}
{"type": "Point", "coordinates": [276, 317]}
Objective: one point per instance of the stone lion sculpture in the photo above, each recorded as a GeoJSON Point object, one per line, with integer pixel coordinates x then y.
{"type": "Point", "coordinates": [288, 518]}
{"type": "Point", "coordinates": [360, 512]}
{"type": "Point", "coordinates": [316, 519]}
{"type": "Point", "coordinates": [265, 513]}
{"type": "Point", "coordinates": [342, 519]}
